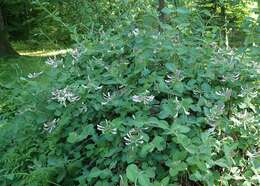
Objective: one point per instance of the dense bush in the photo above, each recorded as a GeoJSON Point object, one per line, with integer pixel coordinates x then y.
{"type": "Point", "coordinates": [137, 107]}
{"type": "Point", "coordinates": [59, 22]}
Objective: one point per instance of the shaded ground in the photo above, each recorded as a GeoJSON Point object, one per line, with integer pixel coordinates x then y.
{"type": "Point", "coordinates": [13, 68]}
{"type": "Point", "coordinates": [31, 60]}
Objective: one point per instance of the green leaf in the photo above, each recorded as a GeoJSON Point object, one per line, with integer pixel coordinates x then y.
{"type": "Point", "coordinates": [168, 110]}
{"type": "Point", "coordinates": [146, 148]}
{"type": "Point", "coordinates": [165, 181]}
{"type": "Point", "coordinates": [132, 172]}
{"type": "Point", "coordinates": [178, 128]}
{"type": "Point", "coordinates": [170, 66]}
{"type": "Point", "coordinates": [159, 143]}
{"type": "Point", "coordinates": [158, 123]}
{"type": "Point", "coordinates": [182, 10]}
{"type": "Point", "coordinates": [222, 163]}
{"type": "Point", "coordinates": [177, 167]}
{"type": "Point", "coordinates": [144, 180]}
{"type": "Point", "coordinates": [73, 137]}
{"type": "Point", "coordinates": [95, 172]}
{"type": "Point", "coordinates": [183, 140]}
{"type": "Point", "coordinates": [178, 87]}
{"type": "Point", "coordinates": [167, 10]}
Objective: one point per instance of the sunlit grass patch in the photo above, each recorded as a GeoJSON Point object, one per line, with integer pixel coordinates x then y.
{"type": "Point", "coordinates": [13, 68]}
{"type": "Point", "coordinates": [44, 50]}
{"type": "Point", "coordinates": [44, 53]}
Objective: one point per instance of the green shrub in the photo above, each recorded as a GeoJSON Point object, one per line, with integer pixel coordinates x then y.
{"type": "Point", "coordinates": [137, 108]}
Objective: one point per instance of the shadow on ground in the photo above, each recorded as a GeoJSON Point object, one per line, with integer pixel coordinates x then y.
{"type": "Point", "coordinates": [12, 68]}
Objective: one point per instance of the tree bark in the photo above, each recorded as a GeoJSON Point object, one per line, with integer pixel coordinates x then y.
{"type": "Point", "coordinates": [224, 18]}
{"type": "Point", "coordinates": [161, 14]}
{"type": "Point", "coordinates": [5, 46]}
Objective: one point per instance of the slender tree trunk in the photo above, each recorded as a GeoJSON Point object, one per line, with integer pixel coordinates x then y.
{"type": "Point", "coordinates": [5, 47]}
{"type": "Point", "coordinates": [258, 5]}
{"type": "Point", "coordinates": [175, 3]}
{"type": "Point", "coordinates": [161, 14]}
{"type": "Point", "coordinates": [224, 18]}
{"type": "Point", "coordinates": [215, 6]}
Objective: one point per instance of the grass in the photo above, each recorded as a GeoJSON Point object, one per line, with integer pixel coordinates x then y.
{"type": "Point", "coordinates": [30, 60]}
{"type": "Point", "coordinates": [46, 49]}
{"type": "Point", "coordinates": [13, 68]}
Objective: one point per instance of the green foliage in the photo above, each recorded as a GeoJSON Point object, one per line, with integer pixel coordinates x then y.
{"type": "Point", "coordinates": [132, 106]}
{"type": "Point", "coordinates": [228, 15]}
{"type": "Point", "coordinates": [137, 107]}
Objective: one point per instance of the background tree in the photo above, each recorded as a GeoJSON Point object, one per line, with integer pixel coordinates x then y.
{"type": "Point", "coordinates": [5, 46]}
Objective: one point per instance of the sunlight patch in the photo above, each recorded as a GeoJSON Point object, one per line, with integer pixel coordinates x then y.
{"type": "Point", "coordinates": [44, 53]}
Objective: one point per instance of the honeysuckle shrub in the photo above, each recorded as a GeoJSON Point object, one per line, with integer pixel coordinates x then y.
{"type": "Point", "coordinates": [136, 108]}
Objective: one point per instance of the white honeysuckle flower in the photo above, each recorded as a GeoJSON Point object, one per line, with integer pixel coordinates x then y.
{"type": "Point", "coordinates": [143, 98]}
{"type": "Point", "coordinates": [225, 93]}
{"type": "Point", "coordinates": [231, 78]}
{"type": "Point", "coordinates": [197, 91]}
{"type": "Point", "coordinates": [169, 79]}
{"type": "Point", "coordinates": [148, 99]}
{"type": "Point", "coordinates": [179, 106]}
{"type": "Point", "coordinates": [21, 111]}
{"type": "Point", "coordinates": [185, 111]}
{"type": "Point", "coordinates": [107, 97]}
{"type": "Point", "coordinates": [214, 114]}
{"type": "Point", "coordinates": [77, 53]}
{"type": "Point", "coordinates": [248, 92]}
{"type": "Point", "coordinates": [84, 86]}
{"type": "Point", "coordinates": [137, 99]}
{"type": "Point", "coordinates": [176, 76]}
{"type": "Point", "coordinates": [236, 77]}
{"type": "Point", "coordinates": [211, 130]}
{"type": "Point", "coordinates": [255, 66]}
{"type": "Point", "coordinates": [106, 127]}
{"type": "Point", "coordinates": [134, 137]}
{"type": "Point", "coordinates": [91, 84]}
{"type": "Point", "coordinates": [136, 32]}
{"type": "Point", "coordinates": [34, 75]}
{"type": "Point", "coordinates": [50, 125]}
{"type": "Point", "coordinates": [83, 108]}
{"type": "Point", "coordinates": [244, 119]}
{"type": "Point", "coordinates": [253, 154]}
{"type": "Point", "coordinates": [63, 96]}
{"type": "Point", "coordinates": [54, 62]}
{"type": "Point", "coordinates": [98, 87]}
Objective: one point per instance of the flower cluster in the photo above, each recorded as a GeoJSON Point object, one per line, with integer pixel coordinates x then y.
{"type": "Point", "coordinates": [76, 54]}
{"type": "Point", "coordinates": [243, 119]}
{"type": "Point", "coordinates": [248, 92]}
{"type": "Point", "coordinates": [50, 125]}
{"type": "Point", "coordinates": [34, 75]}
{"type": "Point", "coordinates": [106, 127]}
{"type": "Point", "coordinates": [226, 93]}
{"type": "Point", "coordinates": [179, 106]}
{"type": "Point", "coordinates": [63, 96]}
{"type": "Point", "coordinates": [134, 137]}
{"type": "Point", "coordinates": [54, 62]}
{"type": "Point", "coordinates": [143, 98]}
{"type": "Point", "coordinates": [176, 76]}
{"type": "Point", "coordinates": [232, 77]}
{"type": "Point", "coordinates": [214, 114]}
{"type": "Point", "coordinates": [107, 97]}
{"type": "Point", "coordinates": [83, 108]}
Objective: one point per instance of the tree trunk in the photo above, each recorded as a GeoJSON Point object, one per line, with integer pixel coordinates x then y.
{"type": "Point", "coordinates": [5, 47]}
{"type": "Point", "coordinates": [224, 18]}
{"type": "Point", "coordinates": [161, 14]}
